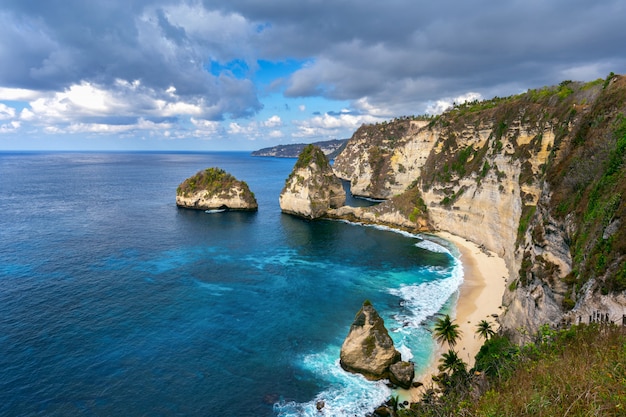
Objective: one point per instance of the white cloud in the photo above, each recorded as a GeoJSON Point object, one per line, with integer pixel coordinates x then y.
{"type": "Point", "coordinates": [6, 112]}
{"type": "Point", "coordinates": [444, 104]}
{"type": "Point", "coordinates": [328, 125]}
{"type": "Point", "coordinates": [273, 121]}
{"type": "Point", "coordinates": [18, 94]}
{"type": "Point", "coordinates": [102, 128]}
{"type": "Point", "coordinates": [10, 127]}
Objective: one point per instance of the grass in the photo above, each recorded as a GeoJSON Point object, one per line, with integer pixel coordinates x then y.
{"type": "Point", "coordinates": [580, 371]}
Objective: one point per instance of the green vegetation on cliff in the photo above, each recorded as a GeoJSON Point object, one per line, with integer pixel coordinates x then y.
{"type": "Point", "coordinates": [214, 181]}
{"type": "Point", "coordinates": [584, 172]}
{"type": "Point", "coordinates": [312, 153]}
{"type": "Point", "coordinates": [590, 185]}
{"type": "Point", "coordinates": [579, 371]}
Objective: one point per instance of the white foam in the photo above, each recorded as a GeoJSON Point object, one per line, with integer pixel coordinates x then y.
{"type": "Point", "coordinates": [426, 299]}
{"type": "Point", "coordinates": [431, 246]}
{"type": "Point", "coordinates": [214, 211]}
{"type": "Point", "coordinates": [381, 227]}
{"type": "Point", "coordinates": [347, 395]}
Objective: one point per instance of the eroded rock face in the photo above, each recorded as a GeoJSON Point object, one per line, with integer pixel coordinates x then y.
{"type": "Point", "coordinates": [312, 188]}
{"type": "Point", "coordinates": [214, 189]}
{"type": "Point", "coordinates": [402, 374]}
{"type": "Point", "coordinates": [368, 349]}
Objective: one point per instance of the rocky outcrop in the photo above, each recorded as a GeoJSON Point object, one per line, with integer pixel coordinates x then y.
{"type": "Point", "coordinates": [402, 374]}
{"type": "Point", "coordinates": [214, 189]}
{"type": "Point", "coordinates": [312, 188]}
{"type": "Point", "coordinates": [381, 160]}
{"type": "Point", "coordinates": [368, 349]}
{"type": "Point", "coordinates": [538, 178]}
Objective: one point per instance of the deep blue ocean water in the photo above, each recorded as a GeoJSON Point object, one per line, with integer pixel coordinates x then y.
{"type": "Point", "coordinates": [115, 302]}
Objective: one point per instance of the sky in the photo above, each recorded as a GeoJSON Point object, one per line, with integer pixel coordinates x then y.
{"type": "Point", "coordinates": [248, 74]}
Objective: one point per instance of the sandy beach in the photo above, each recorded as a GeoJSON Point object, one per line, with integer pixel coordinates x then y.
{"type": "Point", "coordinates": [480, 297]}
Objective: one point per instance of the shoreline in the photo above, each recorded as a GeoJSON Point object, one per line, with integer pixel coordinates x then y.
{"type": "Point", "coordinates": [480, 297]}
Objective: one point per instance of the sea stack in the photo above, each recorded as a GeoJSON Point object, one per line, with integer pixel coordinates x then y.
{"type": "Point", "coordinates": [215, 189]}
{"type": "Point", "coordinates": [312, 188]}
{"type": "Point", "coordinates": [368, 349]}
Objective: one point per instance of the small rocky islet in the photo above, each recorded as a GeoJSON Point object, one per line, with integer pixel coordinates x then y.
{"type": "Point", "coordinates": [215, 189]}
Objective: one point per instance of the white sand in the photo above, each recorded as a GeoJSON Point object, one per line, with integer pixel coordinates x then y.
{"type": "Point", "coordinates": [480, 297]}
{"type": "Point", "coordinates": [480, 294]}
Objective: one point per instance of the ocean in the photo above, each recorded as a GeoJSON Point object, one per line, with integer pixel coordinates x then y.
{"type": "Point", "coordinates": [113, 301]}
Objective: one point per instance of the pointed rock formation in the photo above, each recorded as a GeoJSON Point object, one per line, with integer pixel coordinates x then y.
{"type": "Point", "coordinates": [312, 188]}
{"type": "Point", "coordinates": [368, 349]}
{"type": "Point", "coordinates": [213, 189]}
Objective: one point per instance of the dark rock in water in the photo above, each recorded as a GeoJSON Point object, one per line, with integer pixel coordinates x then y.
{"type": "Point", "coordinates": [402, 374]}
{"type": "Point", "coordinates": [320, 404]}
{"type": "Point", "coordinates": [368, 349]}
{"type": "Point", "coordinates": [382, 411]}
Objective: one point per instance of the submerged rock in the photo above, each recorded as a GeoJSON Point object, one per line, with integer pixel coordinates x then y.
{"type": "Point", "coordinates": [368, 349]}
{"type": "Point", "coordinates": [312, 188]}
{"type": "Point", "coordinates": [214, 189]}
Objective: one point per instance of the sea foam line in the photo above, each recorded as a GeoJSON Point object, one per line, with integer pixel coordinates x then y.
{"type": "Point", "coordinates": [349, 394]}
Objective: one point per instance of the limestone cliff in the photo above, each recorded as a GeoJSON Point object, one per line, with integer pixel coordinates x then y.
{"type": "Point", "coordinates": [213, 188]}
{"type": "Point", "coordinates": [537, 178]}
{"type": "Point", "coordinates": [381, 160]}
{"type": "Point", "coordinates": [368, 349]}
{"type": "Point", "coordinates": [312, 188]}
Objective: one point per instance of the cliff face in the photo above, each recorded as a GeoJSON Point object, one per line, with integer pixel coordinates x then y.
{"type": "Point", "coordinates": [213, 189]}
{"type": "Point", "coordinates": [312, 189]}
{"type": "Point", "coordinates": [537, 178]}
{"type": "Point", "coordinates": [381, 160]}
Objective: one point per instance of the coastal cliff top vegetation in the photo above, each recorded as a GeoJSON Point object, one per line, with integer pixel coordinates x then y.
{"type": "Point", "coordinates": [215, 181]}
{"type": "Point", "coordinates": [312, 153]}
{"type": "Point", "coordinates": [585, 169]}
{"type": "Point", "coordinates": [577, 371]}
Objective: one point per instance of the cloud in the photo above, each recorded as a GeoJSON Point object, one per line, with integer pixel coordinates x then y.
{"type": "Point", "coordinates": [158, 43]}
{"type": "Point", "coordinates": [194, 68]}
{"type": "Point", "coordinates": [10, 127]}
{"type": "Point", "coordinates": [331, 126]}
{"type": "Point", "coordinates": [273, 121]}
{"type": "Point", "coordinates": [6, 112]}
{"type": "Point", "coordinates": [443, 104]}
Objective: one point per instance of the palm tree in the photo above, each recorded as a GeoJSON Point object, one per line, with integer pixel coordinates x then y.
{"type": "Point", "coordinates": [450, 361]}
{"type": "Point", "coordinates": [446, 331]}
{"type": "Point", "coordinates": [485, 330]}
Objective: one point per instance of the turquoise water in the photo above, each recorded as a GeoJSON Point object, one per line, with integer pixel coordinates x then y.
{"type": "Point", "coordinates": [115, 302]}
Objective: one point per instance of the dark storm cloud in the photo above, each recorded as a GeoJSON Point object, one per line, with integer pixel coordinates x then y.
{"type": "Point", "coordinates": [394, 54]}
{"type": "Point", "coordinates": [52, 45]}
{"type": "Point", "coordinates": [417, 50]}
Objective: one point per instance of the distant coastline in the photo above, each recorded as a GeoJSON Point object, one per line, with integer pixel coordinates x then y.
{"type": "Point", "coordinates": [331, 149]}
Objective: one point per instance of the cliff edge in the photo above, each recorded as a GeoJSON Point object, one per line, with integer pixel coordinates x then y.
{"type": "Point", "coordinates": [538, 178]}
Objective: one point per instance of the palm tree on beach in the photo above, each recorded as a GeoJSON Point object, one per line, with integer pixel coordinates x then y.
{"type": "Point", "coordinates": [485, 330]}
{"type": "Point", "coordinates": [450, 361]}
{"type": "Point", "coordinates": [446, 331]}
